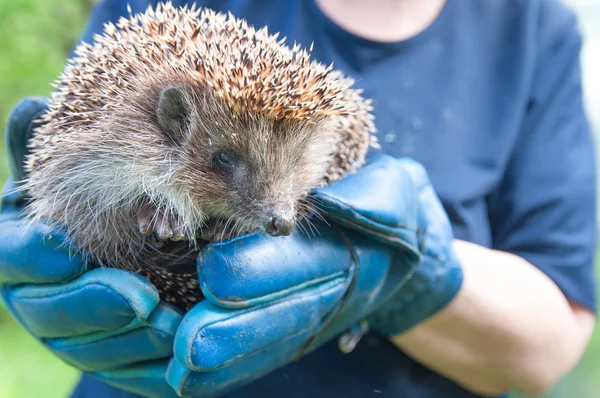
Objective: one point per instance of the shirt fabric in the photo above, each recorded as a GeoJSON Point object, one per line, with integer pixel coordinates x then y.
{"type": "Point", "coordinates": [489, 99]}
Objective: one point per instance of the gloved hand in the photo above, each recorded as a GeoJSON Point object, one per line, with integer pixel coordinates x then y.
{"type": "Point", "coordinates": [103, 319]}
{"type": "Point", "coordinates": [383, 258]}
{"type": "Point", "coordinates": [386, 257]}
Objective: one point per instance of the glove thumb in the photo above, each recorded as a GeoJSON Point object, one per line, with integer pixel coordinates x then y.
{"type": "Point", "coordinates": [19, 130]}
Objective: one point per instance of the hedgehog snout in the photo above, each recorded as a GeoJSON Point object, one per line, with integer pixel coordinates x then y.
{"type": "Point", "coordinates": [279, 224]}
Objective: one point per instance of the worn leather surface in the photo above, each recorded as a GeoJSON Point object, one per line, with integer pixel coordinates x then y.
{"type": "Point", "coordinates": [383, 254]}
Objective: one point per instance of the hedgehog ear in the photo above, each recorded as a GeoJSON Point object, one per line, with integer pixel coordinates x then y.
{"type": "Point", "coordinates": [174, 111]}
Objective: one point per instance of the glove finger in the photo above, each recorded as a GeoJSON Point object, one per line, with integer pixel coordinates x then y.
{"type": "Point", "coordinates": [35, 254]}
{"type": "Point", "coordinates": [146, 379]}
{"type": "Point", "coordinates": [252, 269]}
{"type": "Point", "coordinates": [439, 276]}
{"type": "Point", "coordinates": [103, 299]}
{"type": "Point", "coordinates": [19, 130]}
{"type": "Point", "coordinates": [210, 337]}
{"type": "Point", "coordinates": [139, 342]}
{"type": "Point", "coordinates": [188, 383]}
{"type": "Point", "coordinates": [241, 349]}
{"type": "Point", "coordinates": [380, 201]}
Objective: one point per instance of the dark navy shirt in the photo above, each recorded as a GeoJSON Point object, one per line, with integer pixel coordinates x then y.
{"type": "Point", "coordinates": [488, 98]}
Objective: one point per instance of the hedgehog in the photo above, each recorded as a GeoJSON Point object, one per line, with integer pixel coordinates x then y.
{"type": "Point", "coordinates": [181, 126]}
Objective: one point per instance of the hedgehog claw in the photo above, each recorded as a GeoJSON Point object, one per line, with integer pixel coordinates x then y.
{"type": "Point", "coordinates": [151, 219]}
{"type": "Point", "coordinates": [144, 228]}
{"type": "Point", "coordinates": [178, 233]}
{"type": "Point", "coordinates": [163, 229]}
{"type": "Point", "coordinates": [144, 219]}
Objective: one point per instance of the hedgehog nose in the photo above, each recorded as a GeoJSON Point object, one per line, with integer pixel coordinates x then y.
{"type": "Point", "coordinates": [278, 225]}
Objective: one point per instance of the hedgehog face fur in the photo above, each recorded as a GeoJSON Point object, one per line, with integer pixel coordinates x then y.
{"type": "Point", "coordinates": [250, 171]}
{"type": "Point", "coordinates": [179, 123]}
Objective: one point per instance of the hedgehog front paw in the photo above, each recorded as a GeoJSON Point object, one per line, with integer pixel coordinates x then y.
{"type": "Point", "coordinates": [166, 226]}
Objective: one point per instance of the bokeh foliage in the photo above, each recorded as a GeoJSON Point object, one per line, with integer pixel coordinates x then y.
{"type": "Point", "coordinates": [36, 37]}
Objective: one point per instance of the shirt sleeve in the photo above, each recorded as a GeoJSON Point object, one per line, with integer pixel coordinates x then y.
{"type": "Point", "coordinates": [544, 210]}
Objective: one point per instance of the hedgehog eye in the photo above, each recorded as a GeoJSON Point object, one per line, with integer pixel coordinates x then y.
{"type": "Point", "coordinates": [224, 159]}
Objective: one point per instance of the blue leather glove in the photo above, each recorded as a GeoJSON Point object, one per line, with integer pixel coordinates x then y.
{"type": "Point", "coordinates": [386, 257]}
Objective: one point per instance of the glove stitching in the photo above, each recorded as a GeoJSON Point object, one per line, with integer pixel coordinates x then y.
{"type": "Point", "coordinates": [135, 325]}
{"type": "Point", "coordinates": [55, 346]}
{"type": "Point", "coordinates": [383, 235]}
{"type": "Point", "coordinates": [269, 297]}
{"type": "Point", "coordinates": [192, 334]}
{"type": "Point", "coordinates": [340, 205]}
{"type": "Point", "coordinates": [344, 301]}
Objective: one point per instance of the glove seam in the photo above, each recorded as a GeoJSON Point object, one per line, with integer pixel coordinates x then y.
{"type": "Point", "coordinates": [271, 297]}
{"type": "Point", "coordinates": [396, 242]}
{"type": "Point", "coordinates": [344, 300]}
{"type": "Point", "coordinates": [188, 360]}
{"type": "Point", "coordinates": [354, 212]}
{"type": "Point", "coordinates": [79, 341]}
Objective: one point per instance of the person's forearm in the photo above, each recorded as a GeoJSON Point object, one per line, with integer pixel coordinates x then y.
{"type": "Point", "coordinates": [509, 328]}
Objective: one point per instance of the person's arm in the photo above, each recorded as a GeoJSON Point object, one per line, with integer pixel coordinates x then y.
{"type": "Point", "coordinates": [525, 313]}
{"type": "Point", "coordinates": [509, 328]}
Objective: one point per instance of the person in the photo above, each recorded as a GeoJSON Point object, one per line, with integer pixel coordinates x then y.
{"type": "Point", "coordinates": [492, 291]}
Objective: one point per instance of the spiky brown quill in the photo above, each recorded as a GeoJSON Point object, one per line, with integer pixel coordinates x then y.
{"type": "Point", "coordinates": [182, 124]}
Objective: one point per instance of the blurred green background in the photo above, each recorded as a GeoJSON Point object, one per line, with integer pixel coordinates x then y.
{"type": "Point", "coordinates": [35, 39]}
